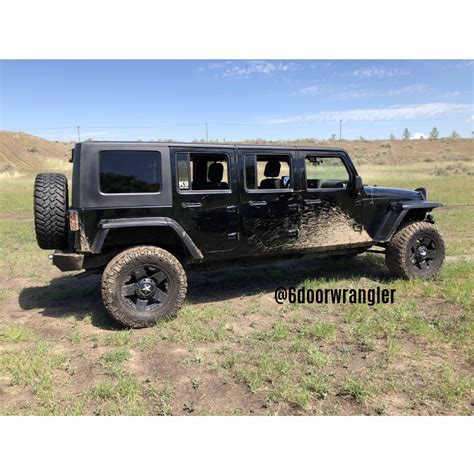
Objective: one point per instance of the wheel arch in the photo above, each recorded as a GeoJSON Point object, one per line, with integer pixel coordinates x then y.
{"type": "Point", "coordinates": [401, 213]}
{"type": "Point", "coordinates": [159, 231]}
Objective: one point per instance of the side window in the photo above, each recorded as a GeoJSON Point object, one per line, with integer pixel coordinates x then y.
{"type": "Point", "coordinates": [268, 172]}
{"type": "Point", "coordinates": [325, 172]}
{"type": "Point", "coordinates": [123, 172]}
{"type": "Point", "coordinates": [203, 171]}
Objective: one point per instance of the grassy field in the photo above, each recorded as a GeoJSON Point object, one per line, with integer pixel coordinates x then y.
{"type": "Point", "coordinates": [233, 350]}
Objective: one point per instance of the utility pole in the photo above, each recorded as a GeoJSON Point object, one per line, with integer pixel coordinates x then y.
{"type": "Point", "coordinates": [207, 136]}
{"type": "Point", "coordinates": [78, 133]}
{"type": "Point", "coordinates": [340, 129]}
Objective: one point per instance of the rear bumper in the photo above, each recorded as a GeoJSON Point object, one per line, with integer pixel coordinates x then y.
{"type": "Point", "coordinates": [68, 262]}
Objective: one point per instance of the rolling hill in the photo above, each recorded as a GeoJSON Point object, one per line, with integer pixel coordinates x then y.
{"type": "Point", "coordinates": [21, 152]}
{"type": "Point", "coordinates": [26, 153]}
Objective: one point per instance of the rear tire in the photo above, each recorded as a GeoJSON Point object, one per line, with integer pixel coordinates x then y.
{"type": "Point", "coordinates": [143, 285]}
{"type": "Point", "coordinates": [416, 250]}
{"type": "Point", "coordinates": [50, 210]}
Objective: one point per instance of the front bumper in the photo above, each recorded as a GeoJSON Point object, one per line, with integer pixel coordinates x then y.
{"type": "Point", "coordinates": [68, 262]}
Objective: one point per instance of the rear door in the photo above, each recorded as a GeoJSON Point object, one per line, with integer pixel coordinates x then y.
{"type": "Point", "coordinates": [331, 213]}
{"type": "Point", "coordinates": [205, 197]}
{"type": "Point", "coordinates": [268, 200]}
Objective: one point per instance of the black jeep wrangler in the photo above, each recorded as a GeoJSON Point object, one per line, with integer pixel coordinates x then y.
{"type": "Point", "coordinates": [142, 213]}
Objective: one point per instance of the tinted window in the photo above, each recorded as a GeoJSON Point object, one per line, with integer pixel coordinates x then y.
{"type": "Point", "coordinates": [130, 171]}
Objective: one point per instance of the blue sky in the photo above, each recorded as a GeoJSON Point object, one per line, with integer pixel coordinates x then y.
{"type": "Point", "coordinates": [130, 100]}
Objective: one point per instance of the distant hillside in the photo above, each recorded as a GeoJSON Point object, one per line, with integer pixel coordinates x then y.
{"type": "Point", "coordinates": [26, 153]}
{"type": "Point", "coordinates": [22, 152]}
{"type": "Point", "coordinates": [380, 152]}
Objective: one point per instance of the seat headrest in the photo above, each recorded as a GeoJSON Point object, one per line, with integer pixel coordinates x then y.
{"type": "Point", "coordinates": [272, 169]}
{"type": "Point", "coordinates": [215, 173]}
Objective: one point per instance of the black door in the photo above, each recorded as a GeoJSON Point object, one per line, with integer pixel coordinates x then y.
{"type": "Point", "coordinates": [205, 197]}
{"type": "Point", "coordinates": [268, 200]}
{"type": "Point", "coordinates": [331, 213]}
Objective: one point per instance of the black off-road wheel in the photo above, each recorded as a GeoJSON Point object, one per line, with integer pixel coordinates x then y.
{"type": "Point", "coordinates": [416, 250]}
{"type": "Point", "coordinates": [143, 285]}
{"type": "Point", "coordinates": [50, 210]}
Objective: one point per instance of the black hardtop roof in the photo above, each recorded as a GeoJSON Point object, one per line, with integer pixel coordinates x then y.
{"type": "Point", "coordinates": [213, 145]}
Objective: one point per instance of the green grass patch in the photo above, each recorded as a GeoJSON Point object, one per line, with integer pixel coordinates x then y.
{"type": "Point", "coordinates": [33, 368]}
{"type": "Point", "coordinates": [18, 333]}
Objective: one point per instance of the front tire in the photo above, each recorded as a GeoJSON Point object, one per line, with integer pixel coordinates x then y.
{"type": "Point", "coordinates": [416, 250]}
{"type": "Point", "coordinates": [143, 285]}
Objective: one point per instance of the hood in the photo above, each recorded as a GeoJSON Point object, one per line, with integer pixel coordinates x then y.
{"type": "Point", "coordinates": [393, 194]}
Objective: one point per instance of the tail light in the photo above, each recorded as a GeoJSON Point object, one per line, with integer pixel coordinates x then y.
{"type": "Point", "coordinates": [73, 220]}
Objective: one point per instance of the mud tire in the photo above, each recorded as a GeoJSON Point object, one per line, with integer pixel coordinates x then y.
{"type": "Point", "coordinates": [50, 210]}
{"type": "Point", "coordinates": [398, 254]}
{"type": "Point", "coordinates": [122, 265]}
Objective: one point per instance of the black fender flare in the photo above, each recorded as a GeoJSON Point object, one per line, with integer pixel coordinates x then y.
{"type": "Point", "coordinates": [106, 224]}
{"type": "Point", "coordinates": [395, 215]}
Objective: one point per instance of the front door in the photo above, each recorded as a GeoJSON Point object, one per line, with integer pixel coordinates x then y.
{"type": "Point", "coordinates": [268, 201]}
{"type": "Point", "coordinates": [331, 213]}
{"type": "Point", "coordinates": [205, 200]}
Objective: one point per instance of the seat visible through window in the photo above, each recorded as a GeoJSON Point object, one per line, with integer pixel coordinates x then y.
{"type": "Point", "coordinates": [271, 173]}
{"type": "Point", "coordinates": [214, 176]}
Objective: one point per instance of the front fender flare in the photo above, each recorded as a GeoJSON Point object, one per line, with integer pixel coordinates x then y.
{"type": "Point", "coordinates": [396, 213]}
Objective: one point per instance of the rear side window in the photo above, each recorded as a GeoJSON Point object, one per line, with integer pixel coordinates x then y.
{"type": "Point", "coordinates": [128, 172]}
{"type": "Point", "coordinates": [203, 171]}
{"type": "Point", "coordinates": [268, 172]}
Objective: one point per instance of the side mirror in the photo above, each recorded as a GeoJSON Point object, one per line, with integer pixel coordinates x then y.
{"type": "Point", "coordinates": [358, 186]}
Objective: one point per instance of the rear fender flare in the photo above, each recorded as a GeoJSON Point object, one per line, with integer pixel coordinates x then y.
{"type": "Point", "coordinates": [106, 224]}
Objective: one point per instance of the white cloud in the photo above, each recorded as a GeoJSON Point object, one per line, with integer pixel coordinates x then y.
{"type": "Point", "coordinates": [310, 90]}
{"type": "Point", "coordinates": [380, 72]}
{"type": "Point", "coordinates": [396, 112]}
{"type": "Point", "coordinates": [256, 67]}
{"type": "Point", "coordinates": [219, 65]}
{"type": "Point", "coordinates": [243, 70]}
{"type": "Point", "coordinates": [357, 93]}
{"type": "Point", "coordinates": [464, 64]}
{"type": "Point", "coordinates": [329, 91]}
{"type": "Point", "coordinates": [410, 89]}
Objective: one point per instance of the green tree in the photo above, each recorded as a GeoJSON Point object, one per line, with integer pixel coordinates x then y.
{"type": "Point", "coordinates": [392, 137]}
{"type": "Point", "coordinates": [455, 135]}
{"type": "Point", "coordinates": [406, 134]}
{"type": "Point", "coordinates": [434, 134]}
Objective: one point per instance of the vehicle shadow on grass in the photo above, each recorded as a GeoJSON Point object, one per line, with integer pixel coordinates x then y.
{"type": "Point", "coordinates": [79, 295]}
{"type": "Point", "coordinates": [75, 296]}
{"type": "Point", "coordinates": [219, 285]}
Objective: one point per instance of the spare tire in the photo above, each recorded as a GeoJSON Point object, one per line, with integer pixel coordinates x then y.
{"type": "Point", "coordinates": [50, 209]}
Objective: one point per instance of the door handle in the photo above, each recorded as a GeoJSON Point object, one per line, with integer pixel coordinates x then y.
{"type": "Point", "coordinates": [257, 203]}
{"type": "Point", "coordinates": [190, 205]}
{"type": "Point", "coordinates": [311, 202]}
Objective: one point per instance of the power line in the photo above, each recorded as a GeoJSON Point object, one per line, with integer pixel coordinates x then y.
{"type": "Point", "coordinates": [194, 124]}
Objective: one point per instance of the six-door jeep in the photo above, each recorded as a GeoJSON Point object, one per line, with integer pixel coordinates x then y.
{"type": "Point", "coordinates": [142, 213]}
